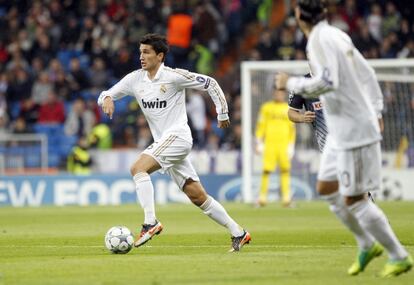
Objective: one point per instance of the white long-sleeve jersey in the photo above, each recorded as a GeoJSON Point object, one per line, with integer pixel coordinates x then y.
{"type": "Point", "coordinates": [351, 95]}
{"type": "Point", "coordinates": [162, 100]}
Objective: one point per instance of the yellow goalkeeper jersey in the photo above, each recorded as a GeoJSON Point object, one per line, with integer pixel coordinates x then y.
{"type": "Point", "coordinates": [273, 125]}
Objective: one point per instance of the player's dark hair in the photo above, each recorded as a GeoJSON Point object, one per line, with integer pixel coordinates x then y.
{"type": "Point", "coordinates": [158, 43]}
{"type": "Point", "coordinates": [312, 11]}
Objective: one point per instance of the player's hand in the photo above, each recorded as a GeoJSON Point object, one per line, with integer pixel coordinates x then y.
{"type": "Point", "coordinates": [223, 124]}
{"type": "Point", "coordinates": [108, 107]}
{"type": "Point", "coordinates": [308, 117]}
{"type": "Point", "coordinates": [259, 146]}
{"type": "Point", "coordinates": [281, 80]}
{"type": "Point", "coordinates": [291, 150]}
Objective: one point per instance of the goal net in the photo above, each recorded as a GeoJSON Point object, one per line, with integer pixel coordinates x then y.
{"type": "Point", "coordinates": [257, 78]}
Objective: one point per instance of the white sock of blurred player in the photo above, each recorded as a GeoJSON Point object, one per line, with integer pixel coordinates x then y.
{"type": "Point", "coordinates": [373, 220]}
{"type": "Point", "coordinates": [145, 193]}
{"type": "Point", "coordinates": [216, 211]}
{"type": "Point", "coordinates": [337, 206]}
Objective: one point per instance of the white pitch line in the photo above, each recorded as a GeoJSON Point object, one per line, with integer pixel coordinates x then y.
{"type": "Point", "coordinates": [186, 246]}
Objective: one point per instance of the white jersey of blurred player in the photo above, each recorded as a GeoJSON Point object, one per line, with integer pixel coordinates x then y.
{"type": "Point", "coordinates": [352, 104]}
{"type": "Point", "coordinates": [353, 108]}
{"type": "Point", "coordinates": [352, 101]}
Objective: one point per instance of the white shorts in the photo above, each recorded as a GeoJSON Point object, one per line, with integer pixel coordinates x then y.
{"type": "Point", "coordinates": [328, 165]}
{"type": "Point", "coordinates": [359, 170]}
{"type": "Point", "coordinates": [171, 154]}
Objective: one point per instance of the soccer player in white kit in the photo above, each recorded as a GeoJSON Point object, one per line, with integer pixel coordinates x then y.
{"type": "Point", "coordinates": [160, 92]}
{"type": "Point", "coordinates": [352, 104]}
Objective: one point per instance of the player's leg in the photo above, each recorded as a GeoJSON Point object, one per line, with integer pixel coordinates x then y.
{"type": "Point", "coordinates": [264, 188]}
{"type": "Point", "coordinates": [269, 165]}
{"type": "Point", "coordinates": [186, 178]}
{"type": "Point", "coordinates": [284, 169]}
{"type": "Point", "coordinates": [147, 163]}
{"type": "Point", "coordinates": [327, 186]}
{"type": "Point", "coordinates": [195, 191]}
{"type": "Point", "coordinates": [359, 172]}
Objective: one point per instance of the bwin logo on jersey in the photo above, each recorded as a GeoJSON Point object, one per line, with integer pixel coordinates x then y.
{"type": "Point", "coordinates": [154, 104]}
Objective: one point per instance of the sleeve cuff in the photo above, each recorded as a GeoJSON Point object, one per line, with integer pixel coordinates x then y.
{"type": "Point", "coordinates": [223, 117]}
{"type": "Point", "coordinates": [291, 83]}
{"type": "Point", "coordinates": [102, 98]}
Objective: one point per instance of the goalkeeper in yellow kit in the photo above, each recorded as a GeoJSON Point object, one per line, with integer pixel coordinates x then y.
{"type": "Point", "coordinates": [275, 137]}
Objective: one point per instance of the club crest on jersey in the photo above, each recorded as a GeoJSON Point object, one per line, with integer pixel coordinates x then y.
{"type": "Point", "coordinates": [157, 104]}
{"type": "Point", "coordinates": [317, 106]}
{"type": "Point", "coordinates": [163, 89]}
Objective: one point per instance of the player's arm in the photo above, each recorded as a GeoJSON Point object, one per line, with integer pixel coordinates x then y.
{"type": "Point", "coordinates": [295, 114]}
{"type": "Point", "coordinates": [260, 130]}
{"type": "Point", "coordinates": [118, 91]}
{"type": "Point", "coordinates": [323, 59]}
{"type": "Point", "coordinates": [292, 140]}
{"type": "Point", "coordinates": [370, 83]}
{"type": "Point", "coordinates": [186, 79]}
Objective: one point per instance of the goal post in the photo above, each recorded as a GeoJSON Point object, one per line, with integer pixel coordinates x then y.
{"type": "Point", "coordinates": [257, 78]}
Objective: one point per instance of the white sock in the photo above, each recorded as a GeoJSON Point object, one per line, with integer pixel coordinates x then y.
{"type": "Point", "coordinates": [337, 206]}
{"type": "Point", "coordinates": [375, 222]}
{"type": "Point", "coordinates": [216, 211]}
{"type": "Point", "coordinates": [145, 193]}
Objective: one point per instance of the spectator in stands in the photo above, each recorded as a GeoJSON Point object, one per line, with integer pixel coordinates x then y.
{"type": "Point", "coordinates": [61, 86]}
{"type": "Point", "coordinates": [363, 40]}
{"type": "Point", "coordinates": [20, 86]}
{"type": "Point", "coordinates": [80, 120]}
{"type": "Point", "coordinates": [123, 63]}
{"type": "Point", "coordinates": [374, 22]}
{"type": "Point", "coordinates": [179, 36]}
{"type": "Point", "coordinates": [3, 104]}
{"type": "Point", "coordinates": [285, 45]}
{"type": "Point", "coordinates": [42, 48]}
{"type": "Point", "coordinates": [392, 19]}
{"type": "Point", "coordinates": [79, 160]}
{"type": "Point", "coordinates": [52, 111]}
{"type": "Point", "coordinates": [29, 111]}
{"type": "Point", "coordinates": [266, 46]}
{"type": "Point", "coordinates": [98, 51]}
{"type": "Point", "coordinates": [196, 110]}
{"type": "Point", "coordinates": [405, 33]}
{"type": "Point", "coordinates": [4, 130]}
{"type": "Point", "coordinates": [99, 76]}
{"type": "Point", "coordinates": [54, 68]}
{"type": "Point", "coordinates": [206, 26]}
{"type": "Point", "coordinates": [71, 32]}
{"type": "Point", "coordinates": [78, 78]}
{"type": "Point", "coordinates": [19, 126]}
{"type": "Point", "coordinates": [100, 137]}
{"type": "Point", "coordinates": [36, 67]}
{"type": "Point", "coordinates": [144, 136]}
{"type": "Point", "coordinates": [41, 88]}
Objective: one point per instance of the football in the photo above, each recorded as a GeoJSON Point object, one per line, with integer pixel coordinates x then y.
{"type": "Point", "coordinates": [119, 239]}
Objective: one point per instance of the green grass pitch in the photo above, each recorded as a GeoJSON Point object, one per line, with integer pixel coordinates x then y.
{"type": "Point", "coordinates": [304, 245]}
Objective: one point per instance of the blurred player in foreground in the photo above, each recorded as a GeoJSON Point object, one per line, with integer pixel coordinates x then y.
{"type": "Point", "coordinates": [275, 137]}
{"type": "Point", "coordinates": [160, 92]}
{"type": "Point", "coordinates": [352, 102]}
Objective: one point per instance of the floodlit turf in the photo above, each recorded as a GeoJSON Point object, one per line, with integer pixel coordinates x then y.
{"type": "Point", "coordinates": [305, 245]}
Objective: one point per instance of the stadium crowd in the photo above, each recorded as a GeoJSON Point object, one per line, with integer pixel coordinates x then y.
{"type": "Point", "coordinates": [57, 56]}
